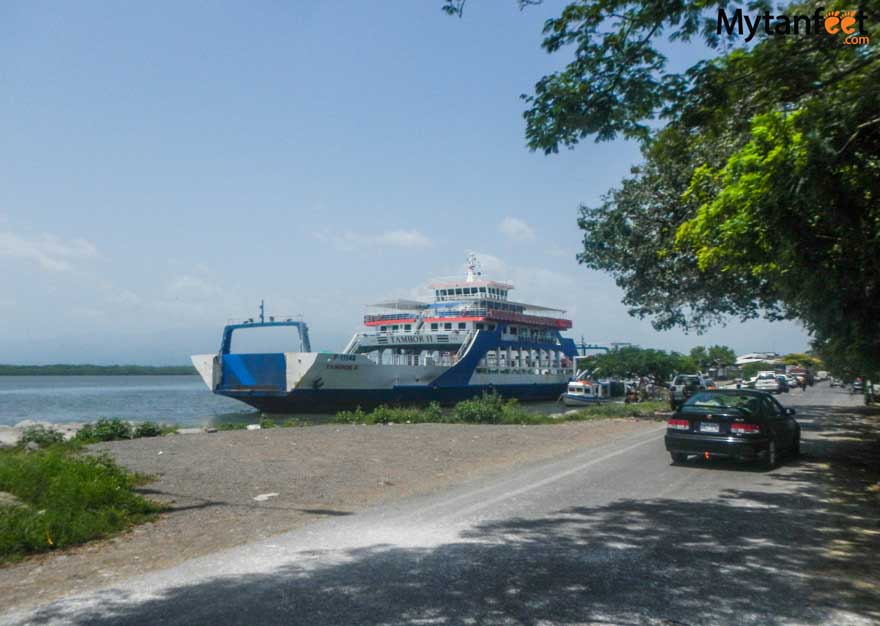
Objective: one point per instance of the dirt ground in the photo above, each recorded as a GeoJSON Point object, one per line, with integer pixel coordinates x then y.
{"type": "Point", "coordinates": [219, 487]}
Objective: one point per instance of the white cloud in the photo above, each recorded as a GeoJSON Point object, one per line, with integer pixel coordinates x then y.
{"type": "Point", "coordinates": [49, 252]}
{"type": "Point", "coordinates": [193, 288]}
{"type": "Point", "coordinates": [516, 229]}
{"type": "Point", "coordinates": [350, 240]}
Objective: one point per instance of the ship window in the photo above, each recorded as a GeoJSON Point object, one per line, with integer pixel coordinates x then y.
{"type": "Point", "coordinates": [395, 327]}
{"type": "Point", "coordinates": [482, 290]}
{"type": "Point", "coordinates": [462, 325]}
{"type": "Point", "coordinates": [447, 326]}
{"type": "Point", "coordinates": [407, 327]}
{"type": "Point", "coordinates": [512, 330]}
{"type": "Point", "coordinates": [458, 292]}
{"type": "Point", "coordinates": [433, 326]}
{"type": "Point", "coordinates": [479, 327]}
{"type": "Point", "coordinates": [491, 326]}
{"type": "Point", "coordinates": [382, 328]}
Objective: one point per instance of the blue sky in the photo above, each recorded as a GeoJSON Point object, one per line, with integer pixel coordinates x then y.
{"type": "Point", "coordinates": [165, 165]}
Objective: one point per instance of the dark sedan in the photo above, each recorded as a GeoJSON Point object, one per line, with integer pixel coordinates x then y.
{"type": "Point", "coordinates": [740, 424]}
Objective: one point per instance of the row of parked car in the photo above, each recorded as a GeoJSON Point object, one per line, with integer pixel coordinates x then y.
{"type": "Point", "coordinates": [685, 385]}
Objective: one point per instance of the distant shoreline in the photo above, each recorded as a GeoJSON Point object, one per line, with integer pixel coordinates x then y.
{"type": "Point", "coordinates": [96, 370]}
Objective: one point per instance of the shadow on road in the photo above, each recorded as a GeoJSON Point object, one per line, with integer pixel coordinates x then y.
{"type": "Point", "coordinates": [745, 557]}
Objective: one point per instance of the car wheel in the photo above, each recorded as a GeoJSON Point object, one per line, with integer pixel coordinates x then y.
{"type": "Point", "coordinates": [678, 457]}
{"type": "Point", "coordinates": [772, 458]}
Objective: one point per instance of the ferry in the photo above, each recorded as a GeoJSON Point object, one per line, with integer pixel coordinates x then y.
{"type": "Point", "coordinates": [472, 338]}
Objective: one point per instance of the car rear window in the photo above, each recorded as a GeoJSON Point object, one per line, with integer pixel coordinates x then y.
{"type": "Point", "coordinates": [710, 400]}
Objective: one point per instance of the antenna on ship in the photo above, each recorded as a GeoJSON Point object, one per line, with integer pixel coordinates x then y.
{"type": "Point", "coordinates": [262, 311]}
{"type": "Point", "coordinates": [473, 267]}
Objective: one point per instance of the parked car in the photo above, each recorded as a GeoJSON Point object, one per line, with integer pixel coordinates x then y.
{"type": "Point", "coordinates": [767, 381]}
{"type": "Point", "coordinates": [836, 382]}
{"type": "Point", "coordinates": [740, 424]}
{"type": "Point", "coordinates": [784, 387]}
{"type": "Point", "coordinates": [858, 386]}
{"type": "Point", "coordinates": [683, 387]}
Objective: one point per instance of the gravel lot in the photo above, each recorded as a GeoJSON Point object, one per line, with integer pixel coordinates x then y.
{"type": "Point", "coordinates": [218, 486]}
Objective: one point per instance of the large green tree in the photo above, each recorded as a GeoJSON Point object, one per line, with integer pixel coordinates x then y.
{"type": "Point", "coordinates": [759, 191]}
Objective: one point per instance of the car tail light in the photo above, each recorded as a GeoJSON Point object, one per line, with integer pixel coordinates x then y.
{"type": "Point", "coordinates": [676, 424]}
{"type": "Point", "coordinates": [744, 429]}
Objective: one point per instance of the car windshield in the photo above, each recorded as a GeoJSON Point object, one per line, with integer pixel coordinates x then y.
{"type": "Point", "coordinates": [708, 399]}
{"type": "Point", "coordinates": [685, 380]}
{"type": "Point", "coordinates": [765, 377]}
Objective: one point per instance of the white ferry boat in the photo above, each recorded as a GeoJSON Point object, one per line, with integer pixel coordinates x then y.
{"type": "Point", "coordinates": [471, 339]}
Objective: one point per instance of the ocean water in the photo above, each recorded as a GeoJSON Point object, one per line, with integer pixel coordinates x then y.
{"type": "Point", "coordinates": [182, 400]}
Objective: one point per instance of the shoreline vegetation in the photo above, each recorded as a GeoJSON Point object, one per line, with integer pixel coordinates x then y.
{"type": "Point", "coordinates": [64, 369]}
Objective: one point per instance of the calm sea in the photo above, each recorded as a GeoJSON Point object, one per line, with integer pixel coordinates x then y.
{"type": "Point", "coordinates": [180, 400]}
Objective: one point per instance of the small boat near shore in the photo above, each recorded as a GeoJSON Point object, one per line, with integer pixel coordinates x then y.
{"type": "Point", "coordinates": [584, 393]}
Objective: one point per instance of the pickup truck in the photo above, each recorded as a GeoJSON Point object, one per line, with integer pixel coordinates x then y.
{"type": "Point", "coordinates": [683, 387]}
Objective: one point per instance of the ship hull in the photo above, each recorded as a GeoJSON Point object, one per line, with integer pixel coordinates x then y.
{"type": "Point", "coordinates": [332, 400]}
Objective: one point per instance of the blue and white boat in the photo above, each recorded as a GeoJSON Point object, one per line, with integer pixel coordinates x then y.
{"type": "Point", "coordinates": [471, 339]}
{"type": "Point", "coordinates": [584, 393]}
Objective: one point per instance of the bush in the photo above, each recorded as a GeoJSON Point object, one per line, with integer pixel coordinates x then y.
{"type": "Point", "coordinates": [41, 436]}
{"type": "Point", "coordinates": [393, 415]}
{"type": "Point", "coordinates": [148, 429]}
{"type": "Point", "coordinates": [490, 408]}
{"type": "Point", "coordinates": [267, 423]}
{"type": "Point", "coordinates": [104, 430]}
{"type": "Point", "coordinates": [231, 426]}
{"type": "Point", "coordinates": [66, 499]}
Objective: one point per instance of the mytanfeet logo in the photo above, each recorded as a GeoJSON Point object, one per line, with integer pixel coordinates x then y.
{"type": "Point", "coordinates": [850, 24]}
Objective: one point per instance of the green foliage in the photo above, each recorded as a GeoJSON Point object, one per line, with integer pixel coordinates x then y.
{"type": "Point", "coordinates": [104, 430]}
{"type": "Point", "coordinates": [607, 410]}
{"type": "Point", "coordinates": [231, 426]}
{"type": "Point", "coordinates": [804, 360]}
{"type": "Point", "coordinates": [393, 415]}
{"type": "Point", "coordinates": [759, 197]}
{"type": "Point", "coordinates": [490, 408]}
{"type": "Point", "coordinates": [148, 429]}
{"type": "Point", "coordinates": [41, 436]}
{"type": "Point", "coordinates": [634, 362]}
{"type": "Point", "coordinates": [713, 356]}
{"type": "Point", "coordinates": [266, 422]}
{"type": "Point", "coordinates": [66, 499]}
{"type": "Point", "coordinates": [95, 370]}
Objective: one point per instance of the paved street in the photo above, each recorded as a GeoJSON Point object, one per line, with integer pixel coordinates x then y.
{"type": "Point", "coordinates": [614, 535]}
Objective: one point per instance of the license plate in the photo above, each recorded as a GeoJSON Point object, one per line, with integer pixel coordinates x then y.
{"type": "Point", "coordinates": [708, 427]}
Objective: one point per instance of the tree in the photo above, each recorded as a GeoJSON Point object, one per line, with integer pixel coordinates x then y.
{"type": "Point", "coordinates": [633, 362]}
{"type": "Point", "coordinates": [713, 356]}
{"type": "Point", "coordinates": [759, 194]}
{"type": "Point", "coordinates": [803, 360]}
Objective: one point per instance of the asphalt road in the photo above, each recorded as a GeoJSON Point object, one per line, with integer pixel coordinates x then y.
{"type": "Point", "coordinates": [613, 535]}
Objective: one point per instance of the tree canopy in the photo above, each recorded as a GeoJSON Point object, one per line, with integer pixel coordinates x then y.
{"type": "Point", "coordinates": [759, 191]}
{"type": "Point", "coordinates": [633, 362]}
{"type": "Point", "coordinates": [713, 356]}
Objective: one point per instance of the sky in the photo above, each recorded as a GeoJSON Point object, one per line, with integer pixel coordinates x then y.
{"type": "Point", "coordinates": [164, 166]}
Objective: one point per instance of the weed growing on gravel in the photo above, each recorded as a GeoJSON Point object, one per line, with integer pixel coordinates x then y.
{"type": "Point", "coordinates": [65, 499]}
{"type": "Point", "coordinates": [231, 426]}
{"type": "Point", "coordinates": [615, 409]}
{"type": "Point", "coordinates": [491, 408]}
{"type": "Point", "coordinates": [115, 429]}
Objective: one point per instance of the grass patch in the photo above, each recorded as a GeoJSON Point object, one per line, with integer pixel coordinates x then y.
{"type": "Point", "coordinates": [634, 409]}
{"type": "Point", "coordinates": [490, 408]}
{"type": "Point", "coordinates": [65, 499]}
{"type": "Point", "coordinates": [115, 429]}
